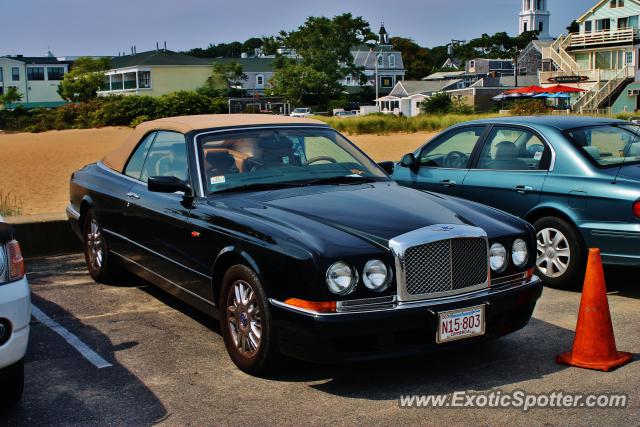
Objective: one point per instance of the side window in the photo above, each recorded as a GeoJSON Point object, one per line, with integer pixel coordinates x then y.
{"type": "Point", "coordinates": [512, 149]}
{"type": "Point", "coordinates": [136, 162]}
{"type": "Point", "coordinates": [452, 150]}
{"type": "Point", "coordinates": [167, 157]}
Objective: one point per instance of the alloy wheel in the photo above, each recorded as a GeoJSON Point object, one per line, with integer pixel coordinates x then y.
{"type": "Point", "coordinates": [95, 246]}
{"type": "Point", "coordinates": [243, 317]}
{"type": "Point", "coordinates": [554, 254]}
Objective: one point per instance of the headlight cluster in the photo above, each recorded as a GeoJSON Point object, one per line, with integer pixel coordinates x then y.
{"type": "Point", "coordinates": [342, 279]}
{"type": "Point", "coordinates": [499, 259]}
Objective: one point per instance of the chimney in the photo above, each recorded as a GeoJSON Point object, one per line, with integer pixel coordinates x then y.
{"type": "Point", "coordinates": [135, 49]}
{"type": "Point", "coordinates": [165, 46]}
{"type": "Point", "coordinates": [157, 46]}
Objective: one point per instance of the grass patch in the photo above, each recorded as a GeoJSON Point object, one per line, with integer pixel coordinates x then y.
{"type": "Point", "coordinates": [382, 124]}
{"type": "Point", "coordinates": [9, 204]}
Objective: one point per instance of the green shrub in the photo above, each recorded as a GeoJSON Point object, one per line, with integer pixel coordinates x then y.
{"type": "Point", "coordinates": [183, 103]}
{"type": "Point", "coordinates": [138, 120]}
{"type": "Point", "coordinates": [528, 107]}
{"type": "Point", "coordinates": [440, 103]}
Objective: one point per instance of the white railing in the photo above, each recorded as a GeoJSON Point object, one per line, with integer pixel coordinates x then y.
{"type": "Point", "coordinates": [560, 57]}
{"type": "Point", "coordinates": [626, 35]}
{"type": "Point", "coordinates": [592, 99]}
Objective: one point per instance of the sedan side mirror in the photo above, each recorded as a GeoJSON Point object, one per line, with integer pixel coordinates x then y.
{"type": "Point", "coordinates": [409, 161]}
{"type": "Point", "coordinates": [387, 167]}
{"type": "Point", "coordinates": [168, 184]}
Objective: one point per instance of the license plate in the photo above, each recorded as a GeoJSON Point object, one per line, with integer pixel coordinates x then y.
{"type": "Point", "coordinates": [459, 324]}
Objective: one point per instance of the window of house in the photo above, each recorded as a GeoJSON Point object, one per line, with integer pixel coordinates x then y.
{"type": "Point", "coordinates": [259, 80]}
{"type": "Point", "coordinates": [386, 81]}
{"type": "Point", "coordinates": [633, 22]}
{"type": "Point", "coordinates": [628, 58]}
{"type": "Point", "coordinates": [528, 5]}
{"type": "Point", "coordinates": [603, 60]}
{"type": "Point", "coordinates": [15, 74]}
{"type": "Point", "coordinates": [55, 73]}
{"type": "Point", "coordinates": [348, 80]}
{"type": "Point", "coordinates": [623, 23]}
{"type": "Point", "coordinates": [380, 61]}
{"type": "Point", "coordinates": [526, 27]}
{"type": "Point", "coordinates": [616, 3]}
{"type": "Point", "coordinates": [392, 61]}
{"type": "Point", "coordinates": [603, 24]}
{"type": "Point", "coordinates": [541, 26]}
{"type": "Point", "coordinates": [472, 63]}
{"type": "Point", "coordinates": [539, 4]}
{"type": "Point", "coordinates": [588, 26]}
{"type": "Point", "coordinates": [1, 74]}
{"type": "Point", "coordinates": [35, 73]}
{"type": "Point", "coordinates": [144, 79]}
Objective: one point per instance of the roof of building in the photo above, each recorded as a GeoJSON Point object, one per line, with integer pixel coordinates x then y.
{"type": "Point", "coordinates": [594, 8]}
{"type": "Point", "coordinates": [157, 57]}
{"type": "Point", "coordinates": [443, 75]}
{"type": "Point", "coordinates": [415, 87]}
{"type": "Point", "coordinates": [249, 65]}
{"type": "Point", "coordinates": [539, 44]}
{"type": "Point", "coordinates": [364, 57]}
{"type": "Point", "coordinates": [117, 159]}
{"type": "Point", "coordinates": [35, 59]}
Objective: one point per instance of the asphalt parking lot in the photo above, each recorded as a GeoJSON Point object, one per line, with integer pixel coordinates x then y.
{"type": "Point", "coordinates": [169, 365]}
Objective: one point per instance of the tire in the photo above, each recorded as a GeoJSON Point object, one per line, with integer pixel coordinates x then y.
{"type": "Point", "coordinates": [12, 379]}
{"type": "Point", "coordinates": [561, 254]}
{"type": "Point", "coordinates": [244, 312]}
{"type": "Point", "coordinates": [101, 265]}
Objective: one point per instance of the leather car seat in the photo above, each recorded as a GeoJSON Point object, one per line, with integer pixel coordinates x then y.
{"type": "Point", "coordinates": [220, 163]}
{"type": "Point", "coordinates": [273, 152]}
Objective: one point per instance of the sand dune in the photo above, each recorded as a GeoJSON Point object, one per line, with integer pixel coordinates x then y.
{"type": "Point", "coordinates": [37, 167]}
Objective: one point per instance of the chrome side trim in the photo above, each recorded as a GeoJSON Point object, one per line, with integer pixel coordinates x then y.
{"type": "Point", "coordinates": [411, 304]}
{"type": "Point", "coordinates": [72, 213]}
{"type": "Point", "coordinates": [156, 253]}
{"type": "Point", "coordinates": [508, 280]}
{"type": "Point", "coordinates": [366, 303]}
{"type": "Point", "coordinates": [127, 259]}
{"type": "Point", "coordinates": [400, 244]}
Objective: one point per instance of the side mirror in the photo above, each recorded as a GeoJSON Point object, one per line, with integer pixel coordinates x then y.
{"type": "Point", "coordinates": [168, 184]}
{"type": "Point", "coordinates": [387, 167]}
{"type": "Point", "coordinates": [409, 161]}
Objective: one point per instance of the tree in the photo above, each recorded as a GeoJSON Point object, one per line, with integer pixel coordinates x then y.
{"type": "Point", "coordinates": [11, 96]}
{"type": "Point", "coordinates": [84, 80]}
{"type": "Point", "coordinates": [224, 79]}
{"type": "Point", "coordinates": [295, 79]}
{"type": "Point", "coordinates": [324, 49]}
{"type": "Point", "coordinates": [440, 103]}
{"type": "Point", "coordinates": [417, 60]}
{"type": "Point", "coordinates": [574, 27]}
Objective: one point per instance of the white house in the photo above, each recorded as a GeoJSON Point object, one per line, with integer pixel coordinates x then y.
{"type": "Point", "coordinates": [407, 96]}
{"type": "Point", "coordinates": [36, 78]}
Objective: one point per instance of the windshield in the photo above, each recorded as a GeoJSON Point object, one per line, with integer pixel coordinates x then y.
{"type": "Point", "coordinates": [300, 110]}
{"type": "Point", "coordinates": [282, 156]}
{"type": "Point", "coordinates": [609, 145]}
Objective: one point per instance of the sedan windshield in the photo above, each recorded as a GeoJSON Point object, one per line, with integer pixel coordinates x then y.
{"type": "Point", "coordinates": [282, 157]}
{"type": "Point", "coordinates": [609, 145]}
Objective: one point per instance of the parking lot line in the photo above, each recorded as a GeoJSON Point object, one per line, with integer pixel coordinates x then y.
{"type": "Point", "coordinates": [73, 340]}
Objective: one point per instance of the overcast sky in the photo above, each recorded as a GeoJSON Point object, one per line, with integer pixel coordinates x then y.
{"type": "Point", "coordinates": [93, 27]}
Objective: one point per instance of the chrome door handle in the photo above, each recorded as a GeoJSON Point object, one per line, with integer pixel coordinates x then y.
{"type": "Point", "coordinates": [133, 195]}
{"type": "Point", "coordinates": [523, 189]}
{"type": "Point", "coordinates": [448, 183]}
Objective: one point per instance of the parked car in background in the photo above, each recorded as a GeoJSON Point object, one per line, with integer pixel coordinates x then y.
{"type": "Point", "coordinates": [299, 243]}
{"type": "Point", "coordinates": [345, 114]}
{"type": "Point", "coordinates": [15, 315]}
{"type": "Point", "coordinates": [576, 179]}
{"type": "Point", "coordinates": [301, 112]}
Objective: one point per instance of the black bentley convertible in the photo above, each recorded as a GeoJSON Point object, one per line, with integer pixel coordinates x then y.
{"type": "Point", "coordinates": [299, 243]}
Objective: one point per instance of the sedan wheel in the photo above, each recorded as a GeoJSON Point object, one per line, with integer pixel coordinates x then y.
{"type": "Point", "coordinates": [554, 253]}
{"type": "Point", "coordinates": [560, 254]}
{"type": "Point", "coordinates": [245, 320]}
{"type": "Point", "coordinates": [96, 251]}
{"type": "Point", "coordinates": [95, 247]}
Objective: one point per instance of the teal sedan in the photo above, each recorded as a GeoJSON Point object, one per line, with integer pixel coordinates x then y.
{"type": "Point", "coordinates": [576, 179]}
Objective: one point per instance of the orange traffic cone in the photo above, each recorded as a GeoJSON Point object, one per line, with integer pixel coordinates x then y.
{"type": "Point", "coordinates": [594, 346]}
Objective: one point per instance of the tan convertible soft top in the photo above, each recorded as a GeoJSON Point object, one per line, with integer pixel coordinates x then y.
{"type": "Point", "coordinates": [117, 159]}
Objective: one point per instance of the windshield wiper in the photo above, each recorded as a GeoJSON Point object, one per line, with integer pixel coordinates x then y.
{"type": "Point", "coordinates": [256, 186]}
{"type": "Point", "coordinates": [348, 179]}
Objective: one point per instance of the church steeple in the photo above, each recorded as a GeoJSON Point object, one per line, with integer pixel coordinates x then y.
{"type": "Point", "coordinates": [535, 17]}
{"type": "Point", "coordinates": [383, 36]}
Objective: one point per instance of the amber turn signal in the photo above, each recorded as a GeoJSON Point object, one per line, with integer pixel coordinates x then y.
{"type": "Point", "coordinates": [16, 262]}
{"type": "Point", "coordinates": [318, 307]}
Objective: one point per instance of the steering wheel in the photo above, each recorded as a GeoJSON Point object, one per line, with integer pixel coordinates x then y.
{"type": "Point", "coordinates": [456, 159]}
{"type": "Point", "coordinates": [319, 159]}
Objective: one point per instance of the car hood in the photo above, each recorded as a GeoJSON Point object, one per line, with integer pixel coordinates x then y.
{"type": "Point", "coordinates": [376, 212]}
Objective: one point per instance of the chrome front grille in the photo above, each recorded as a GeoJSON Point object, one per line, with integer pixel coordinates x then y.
{"type": "Point", "coordinates": [445, 266]}
{"type": "Point", "coordinates": [440, 261]}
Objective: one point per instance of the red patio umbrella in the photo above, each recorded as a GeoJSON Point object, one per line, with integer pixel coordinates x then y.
{"type": "Point", "coordinates": [528, 89]}
{"type": "Point", "coordinates": [561, 88]}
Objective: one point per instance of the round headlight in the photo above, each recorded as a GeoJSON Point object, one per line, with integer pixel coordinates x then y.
{"type": "Point", "coordinates": [341, 279]}
{"type": "Point", "coordinates": [376, 275]}
{"type": "Point", "coordinates": [519, 253]}
{"type": "Point", "coordinates": [498, 257]}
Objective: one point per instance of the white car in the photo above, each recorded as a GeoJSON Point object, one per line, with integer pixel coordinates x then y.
{"type": "Point", "coordinates": [301, 112]}
{"type": "Point", "coordinates": [15, 315]}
